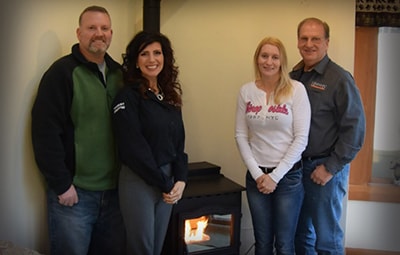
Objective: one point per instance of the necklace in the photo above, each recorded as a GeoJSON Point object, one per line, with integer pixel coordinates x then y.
{"type": "Point", "coordinates": [159, 94]}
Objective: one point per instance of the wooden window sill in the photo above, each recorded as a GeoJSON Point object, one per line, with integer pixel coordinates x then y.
{"type": "Point", "coordinates": [356, 251]}
{"type": "Point", "coordinates": [378, 190]}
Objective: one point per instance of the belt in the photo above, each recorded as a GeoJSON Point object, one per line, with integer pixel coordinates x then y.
{"type": "Point", "coordinates": [311, 158]}
{"type": "Point", "coordinates": [296, 166]}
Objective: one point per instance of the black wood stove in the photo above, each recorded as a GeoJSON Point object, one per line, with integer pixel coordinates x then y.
{"type": "Point", "coordinates": [206, 221]}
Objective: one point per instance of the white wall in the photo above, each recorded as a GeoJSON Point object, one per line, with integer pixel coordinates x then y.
{"type": "Point", "coordinates": [374, 226]}
{"type": "Point", "coordinates": [387, 122]}
{"type": "Point", "coordinates": [214, 42]}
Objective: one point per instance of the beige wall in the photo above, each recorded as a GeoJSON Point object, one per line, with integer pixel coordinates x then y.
{"type": "Point", "coordinates": [214, 42]}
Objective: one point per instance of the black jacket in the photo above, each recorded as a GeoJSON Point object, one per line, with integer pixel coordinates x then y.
{"type": "Point", "coordinates": [150, 133]}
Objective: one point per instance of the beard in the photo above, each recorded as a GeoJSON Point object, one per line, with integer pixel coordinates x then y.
{"type": "Point", "coordinates": [98, 47]}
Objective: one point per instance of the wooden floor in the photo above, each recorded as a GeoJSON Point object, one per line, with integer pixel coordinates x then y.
{"type": "Point", "coordinates": [354, 251]}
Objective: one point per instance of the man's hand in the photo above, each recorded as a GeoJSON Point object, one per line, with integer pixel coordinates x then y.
{"type": "Point", "coordinates": [69, 197]}
{"type": "Point", "coordinates": [321, 175]}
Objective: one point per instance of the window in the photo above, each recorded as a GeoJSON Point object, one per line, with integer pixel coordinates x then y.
{"type": "Point", "coordinates": [363, 184]}
{"type": "Point", "coordinates": [386, 157]}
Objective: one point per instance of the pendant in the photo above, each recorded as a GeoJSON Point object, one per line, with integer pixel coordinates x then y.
{"type": "Point", "coordinates": [160, 97]}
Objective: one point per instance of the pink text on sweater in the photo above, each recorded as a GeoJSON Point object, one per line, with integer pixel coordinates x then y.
{"type": "Point", "coordinates": [278, 109]}
{"type": "Point", "coordinates": [252, 108]}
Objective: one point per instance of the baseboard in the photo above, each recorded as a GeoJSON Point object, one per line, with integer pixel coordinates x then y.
{"type": "Point", "coordinates": [356, 251]}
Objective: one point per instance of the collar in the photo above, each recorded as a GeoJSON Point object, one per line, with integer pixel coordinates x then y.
{"type": "Point", "coordinates": [319, 68]}
{"type": "Point", "coordinates": [111, 64]}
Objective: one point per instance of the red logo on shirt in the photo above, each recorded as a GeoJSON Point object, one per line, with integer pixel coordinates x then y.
{"type": "Point", "coordinates": [252, 108]}
{"type": "Point", "coordinates": [317, 85]}
{"type": "Point", "coordinates": [278, 109]}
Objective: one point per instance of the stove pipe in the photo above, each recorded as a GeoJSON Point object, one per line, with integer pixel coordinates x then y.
{"type": "Point", "coordinates": [151, 15]}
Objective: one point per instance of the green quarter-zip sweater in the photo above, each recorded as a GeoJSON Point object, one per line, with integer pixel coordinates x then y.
{"type": "Point", "coordinates": [71, 125]}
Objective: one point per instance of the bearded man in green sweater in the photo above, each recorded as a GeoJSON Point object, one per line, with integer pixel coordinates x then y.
{"type": "Point", "coordinates": [74, 146]}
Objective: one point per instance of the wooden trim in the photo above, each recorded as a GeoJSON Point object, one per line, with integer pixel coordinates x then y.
{"type": "Point", "coordinates": [355, 251]}
{"type": "Point", "coordinates": [365, 73]}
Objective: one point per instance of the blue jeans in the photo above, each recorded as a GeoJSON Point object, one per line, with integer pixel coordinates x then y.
{"type": "Point", "coordinates": [319, 230]}
{"type": "Point", "coordinates": [92, 226]}
{"type": "Point", "coordinates": [275, 215]}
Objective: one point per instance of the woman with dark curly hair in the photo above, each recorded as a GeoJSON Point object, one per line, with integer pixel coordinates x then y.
{"type": "Point", "coordinates": [150, 136]}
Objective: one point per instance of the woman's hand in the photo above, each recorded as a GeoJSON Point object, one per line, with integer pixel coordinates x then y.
{"type": "Point", "coordinates": [265, 184]}
{"type": "Point", "coordinates": [175, 194]}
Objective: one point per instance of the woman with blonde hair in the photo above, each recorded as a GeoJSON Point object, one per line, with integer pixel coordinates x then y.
{"type": "Point", "coordinates": [272, 124]}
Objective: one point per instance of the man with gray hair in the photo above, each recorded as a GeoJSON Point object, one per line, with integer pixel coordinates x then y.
{"type": "Point", "coordinates": [336, 135]}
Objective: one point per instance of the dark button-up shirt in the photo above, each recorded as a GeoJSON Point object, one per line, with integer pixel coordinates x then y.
{"type": "Point", "coordinates": [337, 114]}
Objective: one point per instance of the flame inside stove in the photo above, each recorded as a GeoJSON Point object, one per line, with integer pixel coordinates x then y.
{"type": "Point", "coordinates": [194, 230]}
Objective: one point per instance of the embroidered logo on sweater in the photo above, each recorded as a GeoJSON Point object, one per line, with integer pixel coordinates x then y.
{"type": "Point", "coordinates": [253, 108]}
{"type": "Point", "coordinates": [278, 109]}
{"type": "Point", "coordinates": [317, 85]}
{"type": "Point", "coordinates": [118, 107]}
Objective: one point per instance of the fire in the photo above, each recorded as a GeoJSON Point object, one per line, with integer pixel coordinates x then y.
{"type": "Point", "coordinates": [194, 230]}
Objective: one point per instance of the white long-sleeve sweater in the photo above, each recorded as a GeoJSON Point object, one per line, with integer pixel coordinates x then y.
{"type": "Point", "coordinates": [270, 135]}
